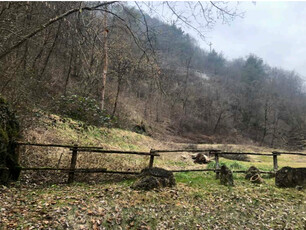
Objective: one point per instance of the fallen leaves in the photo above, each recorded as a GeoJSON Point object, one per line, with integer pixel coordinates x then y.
{"type": "Point", "coordinates": [115, 206]}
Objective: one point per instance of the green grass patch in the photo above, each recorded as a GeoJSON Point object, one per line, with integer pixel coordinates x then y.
{"type": "Point", "coordinates": [196, 179]}
{"type": "Point", "coordinates": [239, 165]}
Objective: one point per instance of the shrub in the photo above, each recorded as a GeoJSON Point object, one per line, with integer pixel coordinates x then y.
{"type": "Point", "coordinates": [84, 109]}
{"type": "Point", "coordinates": [9, 132]}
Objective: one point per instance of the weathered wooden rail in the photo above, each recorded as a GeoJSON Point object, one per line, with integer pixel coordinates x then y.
{"type": "Point", "coordinates": [75, 150]}
{"type": "Point", "coordinates": [219, 153]}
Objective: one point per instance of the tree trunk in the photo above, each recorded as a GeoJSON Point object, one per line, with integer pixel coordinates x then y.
{"type": "Point", "coordinates": [218, 121]}
{"type": "Point", "coordinates": [117, 95]}
{"type": "Point", "coordinates": [38, 56]}
{"type": "Point", "coordinates": [157, 103]}
{"type": "Point", "coordinates": [265, 123]}
{"type": "Point", "coordinates": [105, 67]}
{"type": "Point", "coordinates": [69, 71]}
{"type": "Point", "coordinates": [186, 85]}
{"type": "Point", "coordinates": [50, 52]}
{"type": "Point", "coordinates": [275, 124]}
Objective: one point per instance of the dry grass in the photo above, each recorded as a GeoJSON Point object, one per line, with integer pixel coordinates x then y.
{"type": "Point", "coordinates": [53, 129]}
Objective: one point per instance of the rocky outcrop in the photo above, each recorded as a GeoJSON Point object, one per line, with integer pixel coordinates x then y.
{"type": "Point", "coordinates": [152, 178]}
{"type": "Point", "coordinates": [288, 177]}
{"type": "Point", "coordinates": [9, 131]}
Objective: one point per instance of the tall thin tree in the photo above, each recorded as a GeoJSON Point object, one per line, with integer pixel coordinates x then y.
{"type": "Point", "coordinates": [105, 59]}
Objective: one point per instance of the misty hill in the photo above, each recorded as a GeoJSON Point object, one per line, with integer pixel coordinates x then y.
{"type": "Point", "coordinates": [158, 78]}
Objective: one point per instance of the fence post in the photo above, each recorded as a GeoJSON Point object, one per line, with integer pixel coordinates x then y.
{"type": "Point", "coordinates": [275, 165]}
{"type": "Point", "coordinates": [217, 167]}
{"type": "Point", "coordinates": [151, 158]}
{"type": "Point", "coordinates": [73, 164]}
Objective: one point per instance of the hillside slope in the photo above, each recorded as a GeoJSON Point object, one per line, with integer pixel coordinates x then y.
{"type": "Point", "coordinates": [198, 201]}
{"type": "Point", "coordinates": [51, 128]}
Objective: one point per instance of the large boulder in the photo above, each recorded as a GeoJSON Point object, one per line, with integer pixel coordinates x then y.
{"type": "Point", "coordinates": [226, 176]}
{"type": "Point", "coordinates": [288, 177]}
{"type": "Point", "coordinates": [151, 178]}
{"type": "Point", "coordinates": [9, 131]}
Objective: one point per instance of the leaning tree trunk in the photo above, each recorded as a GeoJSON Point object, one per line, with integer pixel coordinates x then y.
{"type": "Point", "coordinates": [117, 95]}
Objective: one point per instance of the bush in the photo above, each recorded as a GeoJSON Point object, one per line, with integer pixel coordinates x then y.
{"type": "Point", "coordinates": [9, 132]}
{"type": "Point", "coordinates": [84, 109]}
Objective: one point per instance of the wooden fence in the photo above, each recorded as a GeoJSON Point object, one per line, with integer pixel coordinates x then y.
{"type": "Point", "coordinates": [75, 150]}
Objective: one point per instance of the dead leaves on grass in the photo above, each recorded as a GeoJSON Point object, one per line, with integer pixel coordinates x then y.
{"type": "Point", "coordinates": [114, 206]}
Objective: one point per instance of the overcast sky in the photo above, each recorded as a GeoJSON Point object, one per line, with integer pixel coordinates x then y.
{"type": "Point", "coordinates": [274, 31]}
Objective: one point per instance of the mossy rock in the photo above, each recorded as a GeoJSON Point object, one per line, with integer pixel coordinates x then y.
{"type": "Point", "coordinates": [9, 132]}
{"type": "Point", "coordinates": [288, 177]}
{"type": "Point", "coordinates": [154, 178]}
{"type": "Point", "coordinates": [226, 176]}
{"type": "Point", "coordinates": [252, 171]}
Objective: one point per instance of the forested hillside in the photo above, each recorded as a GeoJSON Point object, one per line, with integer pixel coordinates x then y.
{"type": "Point", "coordinates": [158, 79]}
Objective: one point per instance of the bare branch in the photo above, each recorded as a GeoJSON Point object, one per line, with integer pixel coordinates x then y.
{"type": "Point", "coordinates": [50, 22]}
{"type": "Point", "coordinates": [185, 21]}
{"type": "Point", "coordinates": [147, 28]}
{"type": "Point", "coordinates": [223, 10]}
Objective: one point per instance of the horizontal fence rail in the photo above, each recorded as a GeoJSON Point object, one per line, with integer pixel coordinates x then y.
{"type": "Point", "coordinates": [185, 150]}
{"type": "Point", "coordinates": [57, 145]}
{"type": "Point", "coordinates": [289, 153]}
{"type": "Point", "coordinates": [81, 170]}
{"type": "Point", "coordinates": [243, 153]}
{"type": "Point", "coordinates": [75, 150]}
{"type": "Point", "coordinates": [215, 170]}
{"type": "Point", "coordinates": [117, 152]}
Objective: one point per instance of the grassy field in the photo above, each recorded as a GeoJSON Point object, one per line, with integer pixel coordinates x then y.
{"type": "Point", "coordinates": [198, 201]}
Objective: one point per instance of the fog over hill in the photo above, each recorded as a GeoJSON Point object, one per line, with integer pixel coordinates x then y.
{"type": "Point", "coordinates": [274, 31]}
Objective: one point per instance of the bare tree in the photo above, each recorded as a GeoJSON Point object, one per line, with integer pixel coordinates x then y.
{"type": "Point", "coordinates": [105, 58]}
